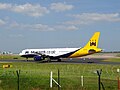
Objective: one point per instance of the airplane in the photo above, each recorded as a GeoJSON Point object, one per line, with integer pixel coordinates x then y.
{"type": "Point", "coordinates": [58, 53]}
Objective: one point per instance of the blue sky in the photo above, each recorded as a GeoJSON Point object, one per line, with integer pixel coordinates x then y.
{"type": "Point", "coordinates": [58, 23]}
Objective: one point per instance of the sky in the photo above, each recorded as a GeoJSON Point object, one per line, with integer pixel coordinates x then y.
{"type": "Point", "coordinates": [58, 23]}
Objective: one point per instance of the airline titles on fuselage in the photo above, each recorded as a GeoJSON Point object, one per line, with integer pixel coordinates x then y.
{"type": "Point", "coordinates": [42, 52]}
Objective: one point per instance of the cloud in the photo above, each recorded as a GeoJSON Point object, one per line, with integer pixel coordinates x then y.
{"type": "Point", "coordinates": [41, 27]}
{"type": "Point", "coordinates": [33, 27]}
{"type": "Point", "coordinates": [86, 18]}
{"type": "Point", "coordinates": [59, 7]}
{"type": "Point", "coordinates": [65, 27]}
{"type": "Point", "coordinates": [2, 22]}
{"type": "Point", "coordinates": [72, 27]}
{"type": "Point", "coordinates": [34, 10]}
{"type": "Point", "coordinates": [5, 6]}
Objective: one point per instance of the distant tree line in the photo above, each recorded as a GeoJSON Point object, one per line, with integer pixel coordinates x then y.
{"type": "Point", "coordinates": [4, 52]}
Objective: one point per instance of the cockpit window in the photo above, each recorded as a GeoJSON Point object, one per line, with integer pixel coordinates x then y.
{"type": "Point", "coordinates": [26, 52]}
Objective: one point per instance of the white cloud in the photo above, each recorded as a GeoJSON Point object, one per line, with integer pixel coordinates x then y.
{"type": "Point", "coordinates": [65, 27]}
{"type": "Point", "coordinates": [2, 22]}
{"type": "Point", "coordinates": [34, 10]}
{"type": "Point", "coordinates": [72, 27]}
{"type": "Point", "coordinates": [58, 7]}
{"type": "Point", "coordinates": [98, 17]}
{"type": "Point", "coordinates": [41, 27]}
{"type": "Point", "coordinates": [35, 27]}
{"type": "Point", "coordinates": [86, 18]}
{"type": "Point", "coordinates": [5, 6]}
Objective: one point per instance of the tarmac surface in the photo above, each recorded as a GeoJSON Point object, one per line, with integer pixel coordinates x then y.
{"type": "Point", "coordinates": [71, 61]}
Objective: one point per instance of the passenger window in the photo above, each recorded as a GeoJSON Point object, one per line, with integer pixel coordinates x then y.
{"type": "Point", "coordinates": [26, 52]}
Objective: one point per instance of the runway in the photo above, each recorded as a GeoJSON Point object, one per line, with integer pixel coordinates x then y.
{"type": "Point", "coordinates": [70, 61]}
{"type": "Point", "coordinates": [86, 61]}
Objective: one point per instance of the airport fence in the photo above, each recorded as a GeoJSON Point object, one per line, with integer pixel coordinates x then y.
{"type": "Point", "coordinates": [70, 79]}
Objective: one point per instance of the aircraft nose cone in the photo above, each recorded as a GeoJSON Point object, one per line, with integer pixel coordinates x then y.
{"type": "Point", "coordinates": [20, 53]}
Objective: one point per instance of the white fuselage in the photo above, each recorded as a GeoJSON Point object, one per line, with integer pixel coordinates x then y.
{"type": "Point", "coordinates": [50, 52]}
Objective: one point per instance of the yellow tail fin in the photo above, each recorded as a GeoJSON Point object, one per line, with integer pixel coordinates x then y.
{"type": "Point", "coordinates": [89, 48]}
{"type": "Point", "coordinates": [93, 42]}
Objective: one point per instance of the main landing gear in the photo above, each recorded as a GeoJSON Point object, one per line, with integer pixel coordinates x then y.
{"type": "Point", "coordinates": [59, 60]}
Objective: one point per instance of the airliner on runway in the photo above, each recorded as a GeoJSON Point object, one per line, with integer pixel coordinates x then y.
{"type": "Point", "coordinates": [58, 53]}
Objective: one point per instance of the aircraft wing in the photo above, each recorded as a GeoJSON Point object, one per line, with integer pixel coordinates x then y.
{"type": "Point", "coordinates": [40, 54]}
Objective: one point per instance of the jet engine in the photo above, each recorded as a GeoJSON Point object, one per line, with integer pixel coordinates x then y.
{"type": "Point", "coordinates": [38, 58]}
{"type": "Point", "coordinates": [91, 51]}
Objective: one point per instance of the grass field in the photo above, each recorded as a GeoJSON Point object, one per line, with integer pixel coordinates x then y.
{"type": "Point", "coordinates": [118, 55]}
{"type": "Point", "coordinates": [10, 57]}
{"type": "Point", "coordinates": [112, 60]}
{"type": "Point", "coordinates": [35, 76]}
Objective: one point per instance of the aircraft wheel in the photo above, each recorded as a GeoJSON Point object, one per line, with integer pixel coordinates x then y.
{"type": "Point", "coordinates": [59, 60]}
